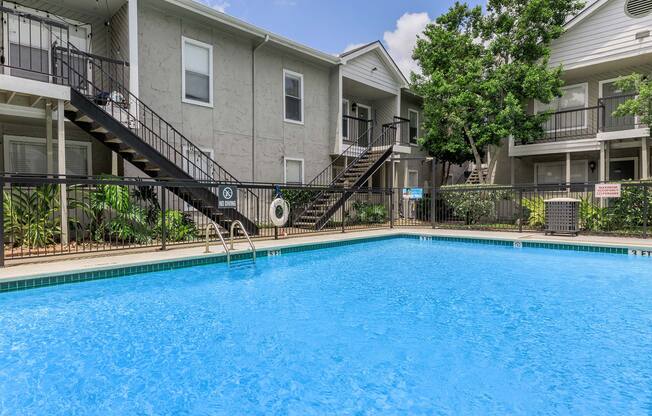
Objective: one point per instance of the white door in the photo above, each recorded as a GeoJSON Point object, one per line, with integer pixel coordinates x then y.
{"type": "Point", "coordinates": [364, 113]}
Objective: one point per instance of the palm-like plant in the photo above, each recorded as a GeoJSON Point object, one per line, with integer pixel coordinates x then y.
{"type": "Point", "coordinates": [31, 216]}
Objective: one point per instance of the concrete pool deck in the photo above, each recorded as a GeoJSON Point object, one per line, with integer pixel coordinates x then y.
{"type": "Point", "coordinates": [53, 266]}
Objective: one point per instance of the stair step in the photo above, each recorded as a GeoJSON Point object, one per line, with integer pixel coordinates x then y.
{"type": "Point", "coordinates": [113, 140]}
{"type": "Point", "coordinates": [83, 119]}
{"type": "Point", "coordinates": [127, 150]}
{"type": "Point", "coordinates": [99, 129]}
{"type": "Point", "coordinates": [69, 107]}
{"type": "Point", "coordinates": [140, 160]}
{"type": "Point", "coordinates": [152, 169]}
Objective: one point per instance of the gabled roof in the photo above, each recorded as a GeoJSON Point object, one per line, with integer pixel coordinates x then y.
{"type": "Point", "coordinates": [586, 12]}
{"type": "Point", "coordinates": [385, 56]}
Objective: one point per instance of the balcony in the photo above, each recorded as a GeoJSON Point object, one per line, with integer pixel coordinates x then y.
{"type": "Point", "coordinates": [587, 122]}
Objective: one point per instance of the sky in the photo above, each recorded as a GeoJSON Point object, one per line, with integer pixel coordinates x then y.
{"type": "Point", "coordinates": [334, 26]}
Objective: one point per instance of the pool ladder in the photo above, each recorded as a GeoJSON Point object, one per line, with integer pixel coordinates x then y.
{"type": "Point", "coordinates": [235, 223]}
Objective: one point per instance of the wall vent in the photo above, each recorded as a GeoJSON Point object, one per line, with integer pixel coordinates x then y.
{"type": "Point", "coordinates": [638, 8]}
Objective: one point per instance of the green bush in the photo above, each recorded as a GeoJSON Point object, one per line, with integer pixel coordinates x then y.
{"type": "Point", "coordinates": [628, 212]}
{"type": "Point", "coordinates": [31, 216]}
{"type": "Point", "coordinates": [366, 213]}
{"type": "Point", "coordinates": [178, 225]}
{"type": "Point", "coordinates": [535, 210]}
{"type": "Point", "coordinates": [592, 216]}
{"type": "Point", "coordinates": [473, 203]}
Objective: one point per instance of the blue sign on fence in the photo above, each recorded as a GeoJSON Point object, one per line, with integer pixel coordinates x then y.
{"type": "Point", "coordinates": [412, 193]}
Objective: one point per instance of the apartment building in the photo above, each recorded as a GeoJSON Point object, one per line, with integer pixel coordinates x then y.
{"type": "Point", "coordinates": [583, 141]}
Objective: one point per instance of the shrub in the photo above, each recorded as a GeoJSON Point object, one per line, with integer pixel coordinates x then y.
{"type": "Point", "coordinates": [178, 226]}
{"type": "Point", "coordinates": [31, 216]}
{"type": "Point", "coordinates": [628, 211]}
{"type": "Point", "coordinates": [535, 211]}
{"type": "Point", "coordinates": [592, 216]}
{"type": "Point", "coordinates": [473, 203]}
{"type": "Point", "coordinates": [366, 213]}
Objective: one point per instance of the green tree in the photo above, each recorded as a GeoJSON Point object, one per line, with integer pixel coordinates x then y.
{"type": "Point", "coordinates": [479, 71]}
{"type": "Point", "coordinates": [641, 104]}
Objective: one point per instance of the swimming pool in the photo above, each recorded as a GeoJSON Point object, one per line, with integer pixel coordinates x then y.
{"type": "Point", "coordinates": [395, 326]}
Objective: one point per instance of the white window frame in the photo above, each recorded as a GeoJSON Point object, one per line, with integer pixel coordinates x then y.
{"type": "Point", "coordinates": [348, 124]}
{"type": "Point", "coordinates": [625, 159]}
{"type": "Point", "coordinates": [285, 168]}
{"type": "Point", "coordinates": [412, 110]}
{"type": "Point", "coordinates": [408, 178]}
{"type": "Point", "coordinates": [585, 86]}
{"type": "Point", "coordinates": [293, 74]}
{"type": "Point", "coordinates": [8, 139]}
{"type": "Point", "coordinates": [585, 162]}
{"type": "Point", "coordinates": [357, 115]}
{"type": "Point", "coordinates": [200, 44]}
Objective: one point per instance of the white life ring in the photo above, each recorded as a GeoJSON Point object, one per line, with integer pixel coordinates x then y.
{"type": "Point", "coordinates": [285, 212]}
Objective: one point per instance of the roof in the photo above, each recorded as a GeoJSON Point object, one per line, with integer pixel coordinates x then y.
{"type": "Point", "coordinates": [380, 48]}
{"type": "Point", "coordinates": [586, 12]}
{"type": "Point", "coordinates": [235, 23]}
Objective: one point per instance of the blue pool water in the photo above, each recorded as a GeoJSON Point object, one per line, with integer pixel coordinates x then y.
{"type": "Point", "coordinates": [398, 326]}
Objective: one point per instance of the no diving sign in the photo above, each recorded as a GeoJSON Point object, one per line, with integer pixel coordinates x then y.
{"type": "Point", "coordinates": [227, 197]}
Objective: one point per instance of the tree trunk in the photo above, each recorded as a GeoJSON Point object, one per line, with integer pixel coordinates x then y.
{"type": "Point", "coordinates": [448, 171]}
{"type": "Point", "coordinates": [476, 155]}
{"type": "Point", "coordinates": [492, 165]}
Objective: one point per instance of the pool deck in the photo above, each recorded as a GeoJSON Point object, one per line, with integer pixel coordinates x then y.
{"type": "Point", "coordinates": [108, 260]}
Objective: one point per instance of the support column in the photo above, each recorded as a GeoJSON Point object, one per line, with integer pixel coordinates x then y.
{"type": "Point", "coordinates": [114, 163]}
{"type": "Point", "coordinates": [607, 158]}
{"type": "Point", "coordinates": [61, 149]}
{"type": "Point", "coordinates": [568, 168]}
{"type": "Point", "coordinates": [645, 161]}
{"type": "Point", "coordinates": [512, 170]}
{"type": "Point", "coordinates": [49, 146]}
{"type": "Point", "coordinates": [602, 168]}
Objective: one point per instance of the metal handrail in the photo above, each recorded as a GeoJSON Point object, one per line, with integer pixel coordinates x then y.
{"type": "Point", "coordinates": [251, 244]}
{"type": "Point", "coordinates": [217, 230]}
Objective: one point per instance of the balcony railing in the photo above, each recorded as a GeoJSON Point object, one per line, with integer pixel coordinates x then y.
{"type": "Point", "coordinates": [587, 122]}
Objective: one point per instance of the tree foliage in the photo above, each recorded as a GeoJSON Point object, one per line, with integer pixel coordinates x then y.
{"type": "Point", "coordinates": [479, 71]}
{"type": "Point", "coordinates": [641, 104]}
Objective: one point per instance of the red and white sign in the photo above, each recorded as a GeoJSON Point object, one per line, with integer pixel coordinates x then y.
{"type": "Point", "coordinates": [607, 190]}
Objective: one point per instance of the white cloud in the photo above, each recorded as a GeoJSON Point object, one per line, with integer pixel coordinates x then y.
{"type": "Point", "coordinates": [403, 39]}
{"type": "Point", "coordinates": [352, 46]}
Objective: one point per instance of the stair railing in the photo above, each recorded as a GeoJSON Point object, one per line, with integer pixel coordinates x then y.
{"type": "Point", "coordinates": [383, 142]}
{"type": "Point", "coordinates": [113, 97]}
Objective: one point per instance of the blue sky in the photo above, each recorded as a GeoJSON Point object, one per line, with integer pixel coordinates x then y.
{"type": "Point", "coordinates": [333, 25]}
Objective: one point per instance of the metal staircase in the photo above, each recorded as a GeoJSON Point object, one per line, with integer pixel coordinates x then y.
{"type": "Point", "coordinates": [101, 105]}
{"type": "Point", "coordinates": [364, 157]}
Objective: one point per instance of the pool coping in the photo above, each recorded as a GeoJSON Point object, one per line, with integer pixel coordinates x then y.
{"type": "Point", "coordinates": [42, 279]}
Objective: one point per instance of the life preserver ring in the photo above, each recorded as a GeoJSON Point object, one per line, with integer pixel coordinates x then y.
{"type": "Point", "coordinates": [277, 220]}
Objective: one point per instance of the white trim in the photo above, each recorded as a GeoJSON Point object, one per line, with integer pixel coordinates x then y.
{"type": "Point", "coordinates": [287, 72]}
{"type": "Point", "coordinates": [348, 113]}
{"type": "Point", "coordinates": [9, 138]}
{"type": "Point", "coordinates": [285, 168]}
{"type": "Point", "coordinates": [624, 159]}
{"type": "Point", "coordinates": [132, 13]}
{"type": "Point", "coordinates": [200, 44]}
{"type": "Point", "coordinates": [412, 110]}
{"type": "Point", "coordinates": [563, 165]}
{"type": "Point", "coordinates": [585, 85]}
{"type": "Point", "coordinates": [389, 62]}
{"type": "Point", "coordinates": [584, 13]}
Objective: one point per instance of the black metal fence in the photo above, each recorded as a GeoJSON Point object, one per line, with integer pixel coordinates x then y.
{"type": "Point", "coordinates": [522, 208]}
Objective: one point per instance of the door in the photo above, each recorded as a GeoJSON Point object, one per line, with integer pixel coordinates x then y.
{"type": "Point", "coordinates": [623, 169]}
{"type": "Point", "coordinates": [612, 97]}
{"type": "Point", "coordinates": [197, 163]}
{"type": "Point", "coordinates": [364, 113]}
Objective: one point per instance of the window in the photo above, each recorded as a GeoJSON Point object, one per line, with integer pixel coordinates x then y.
{"type": "Point", "coordinates": [574, 97]}
{"type": "Point", "coordinates": [413, 115]}
{"type": "Point", "coordinates": [555, 172]}
{"type": "Point", "coordinates": [345, 120]}
{"type": "Point", "coordinates": [413, 179]}
{"type": "Point", "coordinates": [197, 63]}
{"type": "Point", "coordinates": [29, 155]}
{"type": "Point", "coordinates": [293, 104]}
{"type": "Point", "coordinates": [294, 171]}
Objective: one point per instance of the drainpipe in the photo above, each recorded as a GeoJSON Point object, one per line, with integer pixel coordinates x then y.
{"type": "Point", "coordinates": [253, 106]}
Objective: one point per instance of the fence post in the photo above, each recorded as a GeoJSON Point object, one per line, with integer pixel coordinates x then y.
{"type": "Point", "coordinates": [343, 217]}
{"type": "Point", "coordinates": [391, 207]}
{"type": "Point", "coordinates": [646, 208]}
{"type": "Point", "coordinates": [163, 224]}
{"type": "Point", "coordinates": [520, 211]}
{"type": "Point", "coordinates": [275, 233]}
{"type": "Point", "coordinates": [2, 221]}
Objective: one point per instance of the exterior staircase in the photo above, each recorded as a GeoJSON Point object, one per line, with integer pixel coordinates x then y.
{"type": "Point", "coordinates": [474, 177]}
{"type": "Point", "coordinates": [110, 113]}
{"type": "Point", "coordinates": [338, 189]}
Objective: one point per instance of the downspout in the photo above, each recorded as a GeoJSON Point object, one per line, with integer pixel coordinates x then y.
{"type": "Point", "coordinates": [253, 106]}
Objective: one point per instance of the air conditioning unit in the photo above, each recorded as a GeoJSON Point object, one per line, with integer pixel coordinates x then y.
{"type": "Point", "coordinates": [562, 216]}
